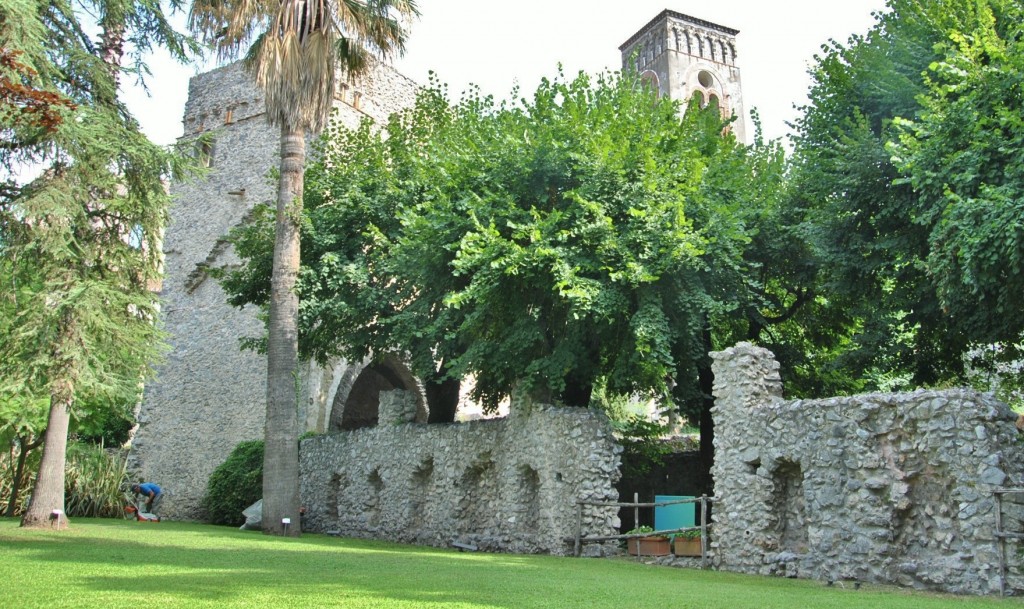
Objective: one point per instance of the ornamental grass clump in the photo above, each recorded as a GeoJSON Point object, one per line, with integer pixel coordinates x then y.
{"type": "Point", "coordinates": [95, 481]}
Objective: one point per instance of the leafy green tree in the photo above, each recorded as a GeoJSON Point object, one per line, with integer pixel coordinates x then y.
{"type": "Point", "coordinates": [962, 156]}
{"type": "Point", "coordinates": [297, 47]}
{"type": "Point", "coordinates": [859, 211]}
{"type": "Point", "coordinates": [584, 235]}
{"type": "Point", "coordinates": [80, 243]}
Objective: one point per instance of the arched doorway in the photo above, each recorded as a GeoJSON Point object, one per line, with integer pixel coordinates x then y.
{"type": "Point", "coordinates": [357, 401]}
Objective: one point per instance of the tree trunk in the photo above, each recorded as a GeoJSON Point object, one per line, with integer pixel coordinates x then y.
{"type": "Point", "coordinates": [25, 446]}
{"type": "Point", "coordinates": [442, 400]}
{"type": "Point", "coordinates": [706, 381]}
{"type": "Point", "coordinates": [48, 493]}
{"type": "Point", "coordinates": [281, 449]}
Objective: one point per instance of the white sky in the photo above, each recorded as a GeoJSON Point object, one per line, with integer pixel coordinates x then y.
{"type": "Point", "coordinates": [496, 45]}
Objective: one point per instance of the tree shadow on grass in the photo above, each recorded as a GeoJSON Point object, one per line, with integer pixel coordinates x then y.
{"type": "Point", "coordinates": [232, 568]}
{"type": "Point", "coordinates": [120, 564]}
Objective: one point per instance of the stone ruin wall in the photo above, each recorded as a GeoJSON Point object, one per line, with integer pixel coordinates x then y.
{"type": "Point", "coordinates": [509, 485]}
{"type": "Point", "coordinates": [208, 394]}
{"type": "Point", "coordinates": [883, 488]}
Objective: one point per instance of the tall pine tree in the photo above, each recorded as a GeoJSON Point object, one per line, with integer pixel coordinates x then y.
{"type": "Point", "coordinates": [80, 243]}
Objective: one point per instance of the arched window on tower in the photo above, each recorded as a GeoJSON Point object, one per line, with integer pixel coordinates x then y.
{"type": "Point", "coordinates": [650, 80]}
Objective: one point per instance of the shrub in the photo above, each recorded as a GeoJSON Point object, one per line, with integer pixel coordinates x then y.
{"type": "Point", "coordinates": [641, 444]}
{"type": "Point", "coordinates": [95, 482]}
{"type": "Point", "coordinates": [235, 484]}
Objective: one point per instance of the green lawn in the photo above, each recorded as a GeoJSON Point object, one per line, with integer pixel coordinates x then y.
{"type": "Point", "coordinates": [118, 563]}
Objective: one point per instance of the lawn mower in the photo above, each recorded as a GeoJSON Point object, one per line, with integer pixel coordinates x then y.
{"type": "Point", "coordinates": [133, 511]}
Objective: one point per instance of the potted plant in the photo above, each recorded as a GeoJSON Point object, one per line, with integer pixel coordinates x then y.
{"type": "Point", "coordinates": [686, 543]}
{"type": "Point", "coordinates": [647, 545]}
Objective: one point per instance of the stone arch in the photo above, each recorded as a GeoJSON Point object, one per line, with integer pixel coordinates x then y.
{"type": "Point", "coordinates": [357, 397]}
{"type": "Point", "coordinates": [703, 78]}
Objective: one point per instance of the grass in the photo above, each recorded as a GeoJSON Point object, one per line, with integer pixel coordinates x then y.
{"type": "Point", "coordinates": [119, 563]}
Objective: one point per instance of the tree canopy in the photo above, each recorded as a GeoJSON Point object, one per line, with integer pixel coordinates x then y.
{"type": "Point", "coordinates": [903, 177]}
{"type": "Point", "coordinates": [961, 154]}
{"type": "Point", "coordinates": [585, 235]}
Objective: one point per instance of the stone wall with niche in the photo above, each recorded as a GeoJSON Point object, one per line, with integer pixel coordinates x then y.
{"type": "Point", "coordinates": [885, 488]}
{"type": "Point", "coordinates": [508, 484]}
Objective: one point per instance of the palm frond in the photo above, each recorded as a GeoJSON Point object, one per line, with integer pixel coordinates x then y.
{"type": "Point", "coordinates": [230, 25]}
{"type": "Point", "coordinates": [297, 76]}
{"type": "Point", "coordinates": [297, 46]}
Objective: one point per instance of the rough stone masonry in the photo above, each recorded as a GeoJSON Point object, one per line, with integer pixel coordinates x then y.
{"type": "Point", "coordinates": [886, 488]}
{"type": "Point", "coordinates": [509, 485]}
{"type": "Point", "coordinates": [209, 395]}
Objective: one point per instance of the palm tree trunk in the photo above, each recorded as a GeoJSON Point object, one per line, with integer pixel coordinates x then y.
{"type": "Point", "coordinates": [281, 449]}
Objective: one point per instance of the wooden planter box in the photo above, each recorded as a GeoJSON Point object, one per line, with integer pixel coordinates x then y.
{"type": "Point", "coordinates": [686, 547]}
{"type": "Point", "coordinates": [648, 546]}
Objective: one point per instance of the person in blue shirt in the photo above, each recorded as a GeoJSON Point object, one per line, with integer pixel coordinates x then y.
{"type": "Point", "coordinates": [151, 495]}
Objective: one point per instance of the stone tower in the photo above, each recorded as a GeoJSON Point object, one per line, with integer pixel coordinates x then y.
{"type": "Point", "coordinates": [208, 394]}
{"type": "Point", "coordinates": [685, 57]}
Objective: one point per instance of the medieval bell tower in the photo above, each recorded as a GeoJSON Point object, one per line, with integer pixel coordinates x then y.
{"type": "Point", "coordinates": [686, 57]}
